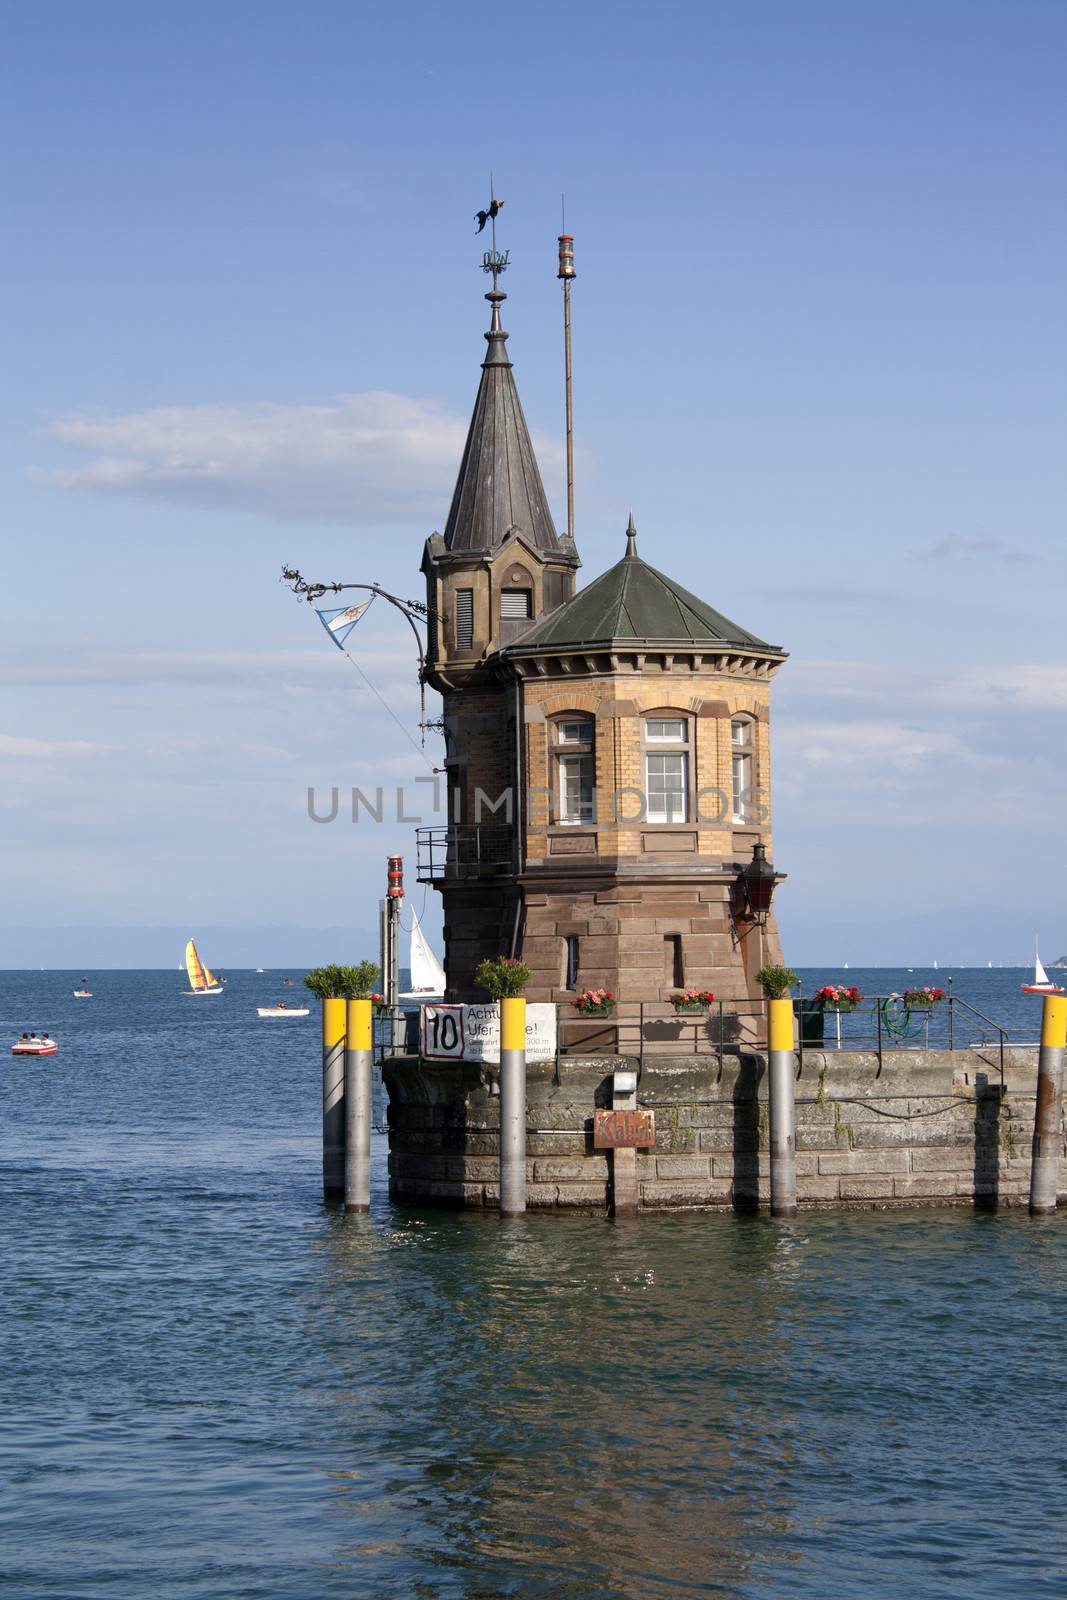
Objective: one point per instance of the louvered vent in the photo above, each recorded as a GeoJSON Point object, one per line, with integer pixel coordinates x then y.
{"type": "Point", "coordinates": [464, 619]}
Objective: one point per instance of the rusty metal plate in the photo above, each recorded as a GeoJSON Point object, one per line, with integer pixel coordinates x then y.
{"type": "Point", "coordinates": [624, 1130]}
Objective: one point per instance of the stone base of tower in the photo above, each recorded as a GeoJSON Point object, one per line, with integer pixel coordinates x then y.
{"type": "Point", "coordinates": [958, 1135]}
{"type": "Point", "coordinates": [641, 937]}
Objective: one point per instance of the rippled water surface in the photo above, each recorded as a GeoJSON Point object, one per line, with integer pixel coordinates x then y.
{"type": "Point", "coordinates": [211, 1385]}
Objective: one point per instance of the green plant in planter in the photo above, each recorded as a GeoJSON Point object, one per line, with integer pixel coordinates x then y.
{"type": "Point", "coordinates": [345, 983]}
{"type": "Point", "coordinates": [776, 982]}
{"type": "Point", "coordinates": [502, 977]}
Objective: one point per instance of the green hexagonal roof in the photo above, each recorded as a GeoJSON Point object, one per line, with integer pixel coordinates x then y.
{"type": "Point", "coordinates": [633, 601]}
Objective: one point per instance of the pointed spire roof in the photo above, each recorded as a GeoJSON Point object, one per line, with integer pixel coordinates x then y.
{"type": "Point", "coordinates": [633, 602]}
{"type": "Point", "coordinates": [499, 490]}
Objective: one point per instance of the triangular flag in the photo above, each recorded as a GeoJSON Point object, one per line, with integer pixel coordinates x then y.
{"type": "Point", "coordinates": [339, 624]}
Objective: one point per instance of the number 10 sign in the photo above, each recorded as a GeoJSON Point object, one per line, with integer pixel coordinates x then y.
{"type": "Point", "coordinates": [442, 1032]}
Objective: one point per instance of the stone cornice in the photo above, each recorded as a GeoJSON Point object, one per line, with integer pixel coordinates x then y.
{"type": "Point", "coordinates": [624, 657]}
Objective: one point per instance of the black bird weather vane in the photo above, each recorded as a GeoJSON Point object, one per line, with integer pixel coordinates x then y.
{"type": "Point", "coordinates": [494, 260]}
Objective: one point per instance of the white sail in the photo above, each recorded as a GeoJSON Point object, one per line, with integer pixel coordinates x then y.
{"type": "Point", "coordinates": [427, 973]}
{"type": "Point", "coordinates": [1040, 975]}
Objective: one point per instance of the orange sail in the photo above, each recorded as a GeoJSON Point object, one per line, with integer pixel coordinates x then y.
{"type": "Point", "coordinates": [198, 978]}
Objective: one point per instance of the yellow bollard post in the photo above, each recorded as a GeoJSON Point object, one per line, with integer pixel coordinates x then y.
{"type": "Point", "coordinates": [333, 1098]}
{"type": "Point", "coordinates": [513, 1106]}
{"type": "Point", "coordinates": [1048, 1112]}
{"type": "Point", "coordinates": [782, 1096]}
{"type": "Point", "coordinates": [359, 1058]}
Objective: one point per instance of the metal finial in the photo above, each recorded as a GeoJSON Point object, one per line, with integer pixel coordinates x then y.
{"type": "Point", "coordinates": [631, 539]}
{"type": "Point", "coordinates": [494, 260]}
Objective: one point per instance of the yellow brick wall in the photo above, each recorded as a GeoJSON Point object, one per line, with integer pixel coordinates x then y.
{"type": "Point", "coordinates": [620, 747]}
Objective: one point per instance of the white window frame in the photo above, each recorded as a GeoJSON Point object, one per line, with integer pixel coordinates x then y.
{"type": "Point", "coordinates": [667, 738]}
{"type": "Point", "coordinates": [742, 766]}
{"type": "Point", "coordinates": [662, 744]}
{"type": "Point", "coordinates": [574, 746]}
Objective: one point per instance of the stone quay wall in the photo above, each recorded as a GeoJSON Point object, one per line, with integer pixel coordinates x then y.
{"type": "Point", "coordinates": [933, 1127]}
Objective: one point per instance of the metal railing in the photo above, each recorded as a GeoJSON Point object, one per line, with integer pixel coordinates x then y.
{"type": "Point", "coordinates": [480, 849]}
{"type": "Point", "coordinates": [879, 1024]}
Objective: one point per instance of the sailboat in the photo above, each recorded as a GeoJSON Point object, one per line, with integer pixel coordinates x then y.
{"type": "Point", "coordinates": [1041, 984]}
{"type": "Point", "coordinates": [201, 979]}
{"type": "Point", "coordinates": [427, 973]}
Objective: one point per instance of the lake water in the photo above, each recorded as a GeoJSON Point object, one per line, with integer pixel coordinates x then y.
{"type": "Point", "coordinates": [212, 1385]}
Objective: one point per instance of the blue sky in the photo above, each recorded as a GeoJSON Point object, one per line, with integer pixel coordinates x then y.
{"type": "Point", "coordinates": [819, 348]}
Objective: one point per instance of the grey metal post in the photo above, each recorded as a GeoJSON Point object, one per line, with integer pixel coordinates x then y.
{"type": "Point", "coordinates": [1048, 1119]}
{"type": "Point", "coordinates": [782, 1097]}
{"type": "Point", "coordinates": [512, 1107]}
{"type": "Point", "coordinates": [359, 1056]}
{"type": "Point", "coordinates": [624, 1192]}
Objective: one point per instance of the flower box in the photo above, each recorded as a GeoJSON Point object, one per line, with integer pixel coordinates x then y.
{"type": "Point", "coordinates": [595, 1003]}
{"type": "Point", "coordinates": [692, 1002]}
{"type": "Point", "coordinates": [923, 999]}
{"type": "Point", "coordinates": [835, 997]}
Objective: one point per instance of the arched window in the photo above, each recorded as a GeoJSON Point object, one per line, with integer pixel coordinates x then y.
{"type": "Point", "coordinates": [573, 756]}
{"type": "Point", "coordinates": [743, 765]}
{"type": "Point", "coordinates": [667, 767]}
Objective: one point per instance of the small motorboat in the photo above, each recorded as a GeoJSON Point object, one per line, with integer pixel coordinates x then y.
{"type": "Point", "coordinates": [34, 1044]}
{"type": "Point", "coordinates": [284, 1011]}
{"type": "Point", "coordinates": [84, 993]}
{"type": "Point", "coordinates": [1042, 983]}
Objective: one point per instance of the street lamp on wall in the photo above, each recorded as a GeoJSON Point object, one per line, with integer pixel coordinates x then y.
{"type": "Point", "coordinates": [756, 883]}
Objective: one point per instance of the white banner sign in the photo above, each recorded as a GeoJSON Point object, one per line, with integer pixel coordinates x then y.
{"type": "Point", "coordinates": [472, 1033]}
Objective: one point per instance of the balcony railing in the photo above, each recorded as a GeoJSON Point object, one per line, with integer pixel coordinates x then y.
{"type": "Point", "coordinates": [478, 850]}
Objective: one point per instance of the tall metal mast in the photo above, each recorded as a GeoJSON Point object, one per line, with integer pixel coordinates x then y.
{"type": "Point", "coordinates": [567, 273]}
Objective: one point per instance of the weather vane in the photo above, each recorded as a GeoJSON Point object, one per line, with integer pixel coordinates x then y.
{"type": "Point", "coordinates": [494, 260]}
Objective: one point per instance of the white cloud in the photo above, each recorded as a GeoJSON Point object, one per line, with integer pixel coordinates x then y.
{"type": "Point", "coordinates": [972, 690]}
{"type": "Point", "coordinates": [364, 459]}
{"type": "Point", "coordinates": [14, 746]}
{"type": "Point", "coordinates": [279, 669]}
{"type": "Point", "coordinates": [876, 746]}
{"type": "Point", "coordinates": [957, 548]}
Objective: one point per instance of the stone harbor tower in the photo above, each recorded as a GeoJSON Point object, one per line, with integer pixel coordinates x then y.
{"type": "Point", "coordinates": [607, 751]}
